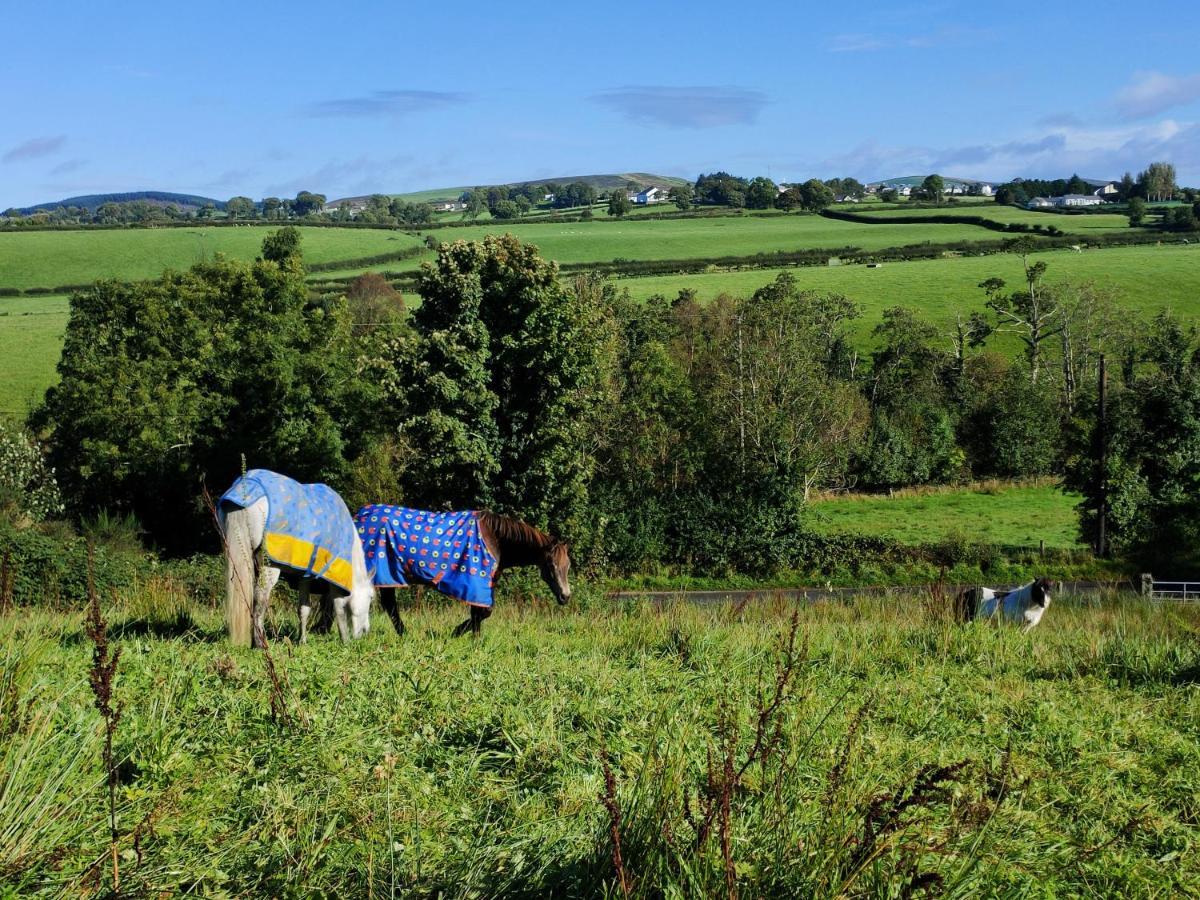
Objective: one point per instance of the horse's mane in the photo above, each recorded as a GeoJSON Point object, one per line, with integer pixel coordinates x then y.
{"type": "Point", "coordinates": [510, 530]}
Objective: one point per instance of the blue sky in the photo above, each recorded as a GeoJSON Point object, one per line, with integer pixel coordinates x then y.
{"type": "Point", "coordinates": [268, 98]}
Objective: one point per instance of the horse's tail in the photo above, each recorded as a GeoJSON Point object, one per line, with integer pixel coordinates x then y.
{"type": "Point", "coordinates": [239, 575]}
{"type": "Point", "coordinates": [966, 605]}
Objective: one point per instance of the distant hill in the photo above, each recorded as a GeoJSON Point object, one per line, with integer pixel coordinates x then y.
{"type": "Point", "coordinates": [599, 182]}
{"type": "Point", "coordinates": [157, 198]}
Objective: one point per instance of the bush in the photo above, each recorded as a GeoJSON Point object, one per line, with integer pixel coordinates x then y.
{"type": "Point", "coordinates": [49, 567]}
{"type": "Point", "coordinates": [28, 489]}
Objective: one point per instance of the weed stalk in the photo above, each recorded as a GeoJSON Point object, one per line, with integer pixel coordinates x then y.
{"type": "Point", "coordinates": [101, 677]}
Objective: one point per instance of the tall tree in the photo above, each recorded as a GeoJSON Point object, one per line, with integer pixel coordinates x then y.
{"type": "Point", "coordinates": [933, 188]}
{"type": "Point", "coordinates": [1033, 313]}
{"type": "Point", "coordinates": [508, 379]}
{"type": "Point", "coordinates": [761, 193]}
{"type": "Point", "coordinates": [618, 203]}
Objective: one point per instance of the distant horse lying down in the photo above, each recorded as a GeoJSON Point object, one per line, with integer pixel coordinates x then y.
{"type": "Point", "coordinates": [1023, 606]}
{"type": "Point", "coordinates": [307, 536]}
{"type": "Point", "coordinates": [459, 554]}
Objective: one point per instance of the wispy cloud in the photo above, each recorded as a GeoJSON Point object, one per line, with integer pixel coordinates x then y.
{"type": "Point", "coordinates": [68, 165]}
{"type": "Point", "coordinates": [685, 107]}
{"type": "Point", "coordinates": [365, 175]}
{"type": "Point", "coordinates": [1095, 152]}
{"type": "Point", "coordinates": [1150, 93]}
{"type": "Point", "coordinates": [386, 104]}
{"type": "Point", "coordinates": [35, 148]}
{"type": "Point", "coordinates": [945, 36]}
{"type": "Point", "coordinates": [855, 43]}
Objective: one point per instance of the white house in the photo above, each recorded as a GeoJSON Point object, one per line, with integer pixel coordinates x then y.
{"type": "Point", "coordinates": [1078, 200]}
{"type": "Point", "coordinates": [649, 195]}
{"type": "Point", "coordinates": [985, 190]}
{"type": "Point", "coordinates": [1040, 203]}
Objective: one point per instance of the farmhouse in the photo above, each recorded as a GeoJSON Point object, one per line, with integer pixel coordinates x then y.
{"type": "Point", "coordinates": [648, 195]}
{"type": "Point", "coordinates": [1107, 190]}
{"type": "Point", "coordinates": [1078, 200]}
{"type": "Point", "coordinates": [1040, 203]}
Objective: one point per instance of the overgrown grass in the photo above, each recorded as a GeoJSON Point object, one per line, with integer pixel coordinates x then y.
{"type": "Point", "coordinates": [902, 751]}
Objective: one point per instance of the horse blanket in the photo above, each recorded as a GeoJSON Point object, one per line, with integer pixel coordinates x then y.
{"type": "Point", "coordinates": [309, 528]}
{"type": "Point", "coordinates": [412, 546]}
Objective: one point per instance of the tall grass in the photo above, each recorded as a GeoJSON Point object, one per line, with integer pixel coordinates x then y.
{"type": "Point", "coordinates": [858, 748]}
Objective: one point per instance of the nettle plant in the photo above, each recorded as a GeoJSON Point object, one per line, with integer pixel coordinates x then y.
{"type": "Point", "coordinates": [27, 484]}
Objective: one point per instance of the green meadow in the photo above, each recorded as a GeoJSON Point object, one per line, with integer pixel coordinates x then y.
{"type": "Point", "coordinates": [699, 238]}
{"type": "Point", "coordinates": [1145, 279]}
{"type": "Point", "coordinates": [1015, 515]}
{"type": "Point", "coordinates": [1083, 224]}
{"type": "Point", "coordinates": [902, 749]}
{"type": "Point", "coordinates": [51, 258]}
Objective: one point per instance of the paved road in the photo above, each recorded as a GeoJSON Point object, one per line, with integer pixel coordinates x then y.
{"type": "Point", "coordinates": [818, 593]}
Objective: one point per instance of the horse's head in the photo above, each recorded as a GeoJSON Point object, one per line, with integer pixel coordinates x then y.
{"type": "Point", "coordinates": [1039, 594]}
{"type": "Point", "coordinates": [555, 566]}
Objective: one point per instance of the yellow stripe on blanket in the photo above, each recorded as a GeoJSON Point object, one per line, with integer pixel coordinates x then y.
{"type": "Point", "coordinates": [289, 551]}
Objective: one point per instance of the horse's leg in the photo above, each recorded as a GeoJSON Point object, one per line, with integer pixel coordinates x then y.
{"type": "Point", "coordinates": [305, 609]}
{"type": "Point", "coordinates": [267, 577]}
{"type": "Point", "coordinates": [387, 599]}
{"type": "Point", "coordinates": [339, 611]}
{"type": "Point", "coordinates": [478, 614]}
{"type": "Point", "coordinates": [463, 627]}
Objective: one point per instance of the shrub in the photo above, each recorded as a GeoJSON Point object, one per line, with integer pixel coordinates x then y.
{"type": "Point", "coordinates": [28, 489]}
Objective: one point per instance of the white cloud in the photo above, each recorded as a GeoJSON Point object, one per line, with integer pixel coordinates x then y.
{"type": "Point", "coordinates": [1094, 152]}
{"type": "Point", "coordinates": [1150, 93]}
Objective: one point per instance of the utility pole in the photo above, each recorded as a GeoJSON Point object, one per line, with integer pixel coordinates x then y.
{"type": "Point", "coordinates": [1102, 470]}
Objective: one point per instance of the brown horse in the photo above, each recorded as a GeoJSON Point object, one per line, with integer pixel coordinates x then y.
{"type": "Point", "coordinates": [512, 543]}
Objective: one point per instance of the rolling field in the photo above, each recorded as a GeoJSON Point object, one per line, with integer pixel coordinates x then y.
{"type": "Point", "coordinates": [52, 258]}
{"type": "Point", "coordinates": [903, 749]}
{"type": "Point", "coordinates": [1010, 515]}
{"type": "Point", "coordinates": [1098, 223]}
{"type": "Point", "coordinates": [592, 242]}
{"type": "Point", "coordinates": [1146, 279]}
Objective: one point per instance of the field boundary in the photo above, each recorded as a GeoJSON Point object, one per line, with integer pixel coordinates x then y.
{"type": "Point", "coordinates": [814, 593]}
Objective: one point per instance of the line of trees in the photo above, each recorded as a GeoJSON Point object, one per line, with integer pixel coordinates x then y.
{"type": "Point", "coordinates": [665, 432]}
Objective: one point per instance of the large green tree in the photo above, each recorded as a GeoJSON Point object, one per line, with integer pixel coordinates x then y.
{"type": "Point", "coordinates": [510, 375]}
{"type": "Point", "coordinates": [165, 385]}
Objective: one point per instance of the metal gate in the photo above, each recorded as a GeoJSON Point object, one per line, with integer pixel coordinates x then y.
{"type": "Point", "coordinates": [1175, 590]}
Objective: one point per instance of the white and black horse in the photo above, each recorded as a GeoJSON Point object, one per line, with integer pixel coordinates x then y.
{"type": "Point", "coordinates": [1022, 606]}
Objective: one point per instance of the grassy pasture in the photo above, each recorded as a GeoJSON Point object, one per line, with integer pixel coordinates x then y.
{"type": "Point", "coordinates": [1094, 224]}
{"type": "Point", "coordinates": [1008, 514]}
{"type": "Point", "coordinates": [986, 762]}
{"type": "Point", "coordinates": [594, 242]}
{"type": "Point", "coordinates": [1146, 279]}
{"type": "Point", "coordinates": [52, 258]}
{"type": "Point", "coordinates": [31, 336]}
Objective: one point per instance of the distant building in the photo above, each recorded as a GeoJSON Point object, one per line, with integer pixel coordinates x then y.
{"type": "Point", "coordinates": [1078, 200]}
{"type": "Point", "coordinates": [648, 195]}
{"type": "Point", "coordinates": [985, 190]}
{"type": "Point", "coordinates": [1065, 201]}
{"type": "Point", "coordinates": [1104, 189]}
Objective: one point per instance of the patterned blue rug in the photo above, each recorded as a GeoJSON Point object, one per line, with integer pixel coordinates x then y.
{"type": "Point", "coordinates": [412, 546]}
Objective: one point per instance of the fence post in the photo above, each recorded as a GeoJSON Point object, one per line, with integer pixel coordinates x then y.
{"type": "Point", "coordinates": [1147, 584]}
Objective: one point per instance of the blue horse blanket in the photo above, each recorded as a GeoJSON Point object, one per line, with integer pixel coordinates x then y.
{"type": "Point", "coordinates": [309, 528]}
{"type": "Point", "coordinates": [412, 546]}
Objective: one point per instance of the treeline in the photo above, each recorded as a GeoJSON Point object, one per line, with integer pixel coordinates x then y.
{"type": "Point", "coordinates": [666, 433]}
{"type": "Point", "coordinates": [1154, 183]}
